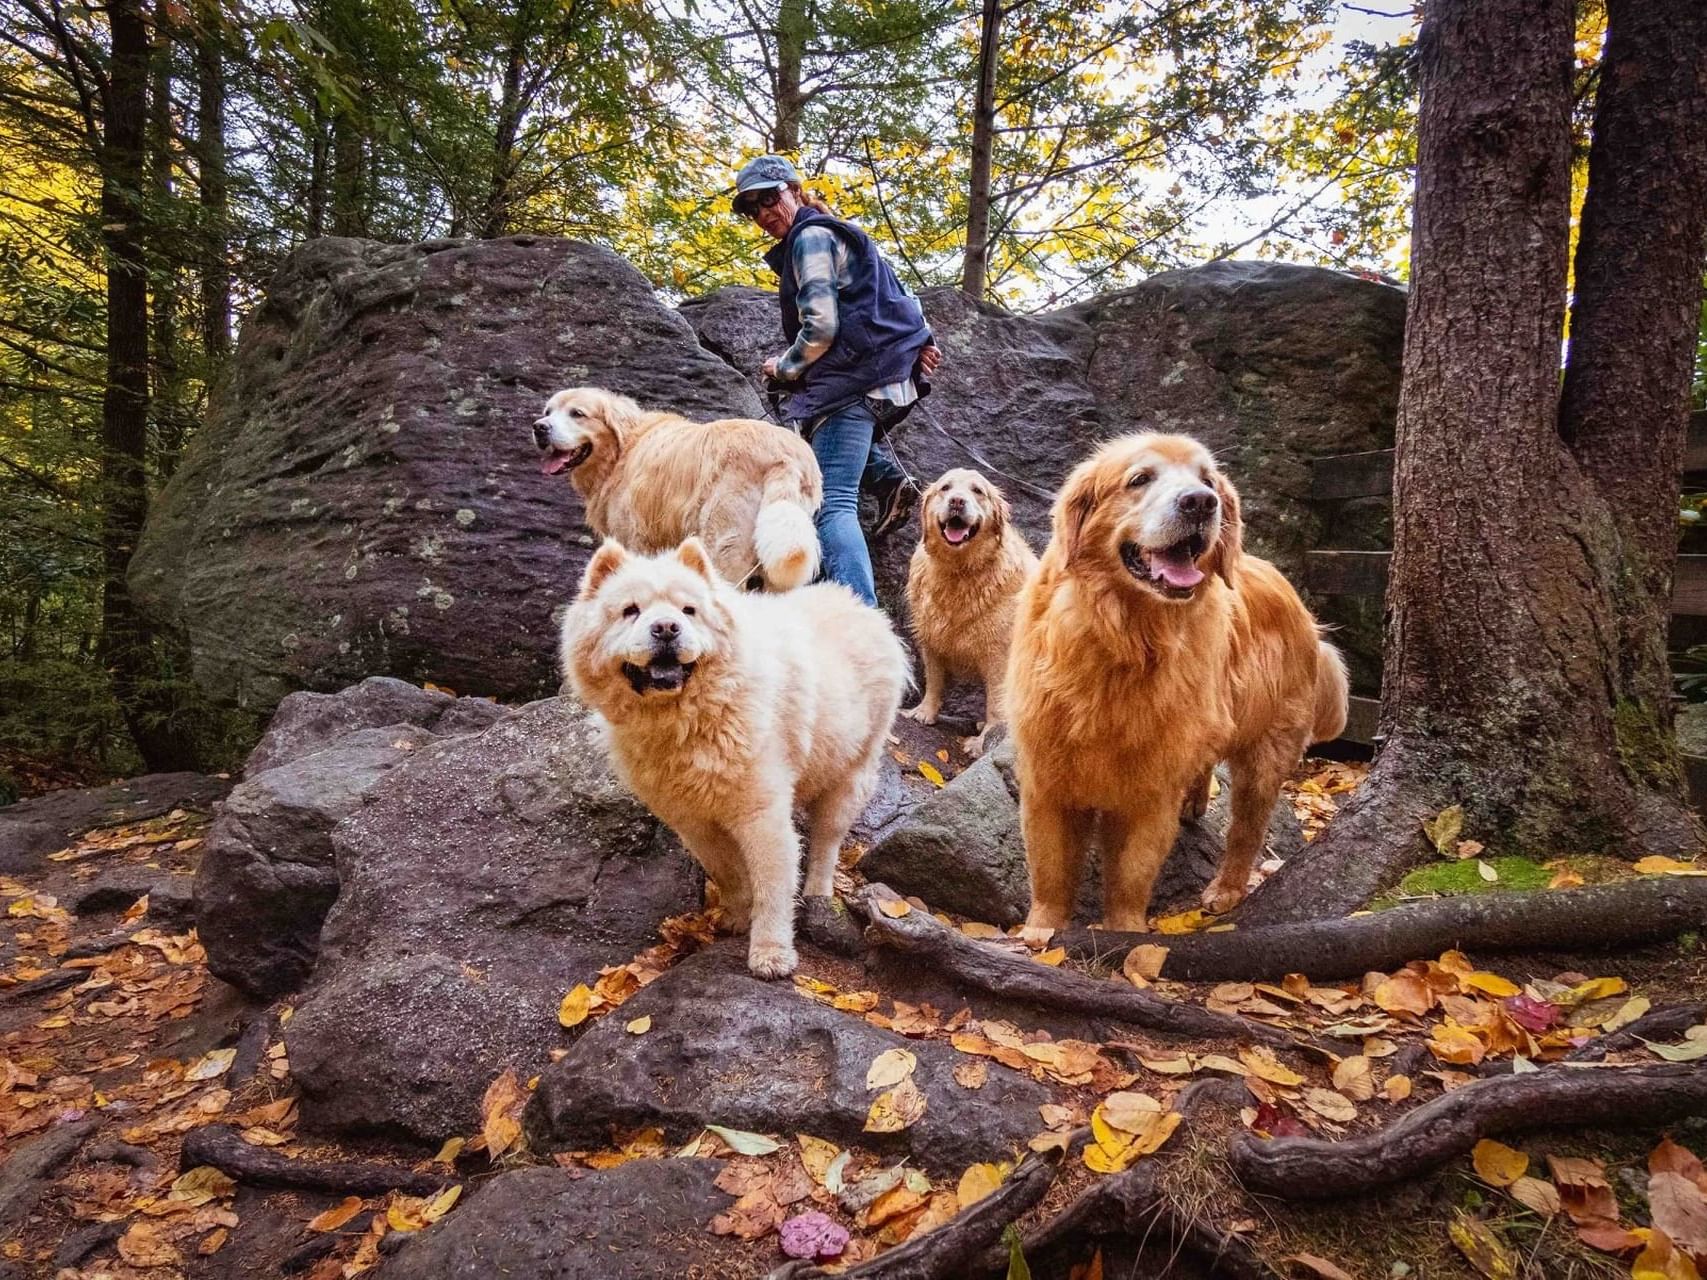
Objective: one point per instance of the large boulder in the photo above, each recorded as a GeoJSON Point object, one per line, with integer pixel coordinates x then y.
{"type": "Point", "coordinates": [961, 850]}
{"type": "Point", "coordinates": [267, 876]}
{"type": "Point", "coordinates": [644, 1220]}
{"type": "Point", "coordinates": [1270, 364]}
{"type": "Point", "coordinates": [481, 879]}
{"type": "Point", "coordinates": [726, 1048]}
{"type": "Point", "coordinates": [364, 498]}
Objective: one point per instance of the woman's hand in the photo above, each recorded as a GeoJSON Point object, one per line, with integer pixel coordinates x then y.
{"type": "Point", "coordinates": [769, 367]}
{"type": "Point", "coordinates": [930, 359]}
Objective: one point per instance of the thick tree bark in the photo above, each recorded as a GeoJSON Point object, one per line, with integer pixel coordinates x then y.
{"type": "Point", "coordinates": [791, 30]}
{"type": "Point", "coordinates": [1501, 690]}
{"type": "Point", "coordinates": [126, 647]}
{"type": "Point", "coordinates": [168, 404]}
{"type": "Point", "coordinates": [495, 216]}
{"type": "Point", "coordinates": [214, 187]}
{"type": "Point", "coordinates": [1634, 319]}
{"type": "Point", "coordinates": [349, 162]}
{"type": "Point", "coordinates": [976, 262]}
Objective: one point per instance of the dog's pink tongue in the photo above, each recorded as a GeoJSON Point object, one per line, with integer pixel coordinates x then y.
{"type": "Point", "coordinates": [1175, 568]}
{"type": "Point", "coordinates": [956, 534]}
{"type": "Point", "coordinates": [552, 463]}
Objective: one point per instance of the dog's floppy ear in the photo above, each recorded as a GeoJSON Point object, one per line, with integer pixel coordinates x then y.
{"type": "Point", "coordinates": [1078, 498]}
{"type": "Point", "coordinates": [1004, 511]}
{"type": "Point", "coordinates": [693, 554]}
{"type": "Point", "coordinates": [1230, 542]}
{"type": "Point", "coordinates": [610, 557]}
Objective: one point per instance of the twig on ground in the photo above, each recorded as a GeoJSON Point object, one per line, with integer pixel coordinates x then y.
{"type": "Point", "coordinates": [223, 1147]}
{"type": "Point", "coordinates": [1448, 1127]}
{"type": "Point", "coordinates": [947, 1251]}
{"type": "Point", "coordinates": [1659, 1024]}
{"type": "Point", "coordinates": [1609, 915]}
{"type": "Point", "coordinates": [55, 980]}
{"type": "Point", "coordinates": [1018, 977]}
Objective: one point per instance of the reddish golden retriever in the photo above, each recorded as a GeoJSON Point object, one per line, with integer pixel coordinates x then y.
{"type": "Point", "coordinates": [1148, 648]}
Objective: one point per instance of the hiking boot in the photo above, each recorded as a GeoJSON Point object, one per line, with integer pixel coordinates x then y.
{"type": "Point", "coordinates": [896, 503]}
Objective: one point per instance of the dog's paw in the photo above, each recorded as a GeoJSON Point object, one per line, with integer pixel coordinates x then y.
{"type": "Point", "coordinates": [921, 713]}
{"type": "Point", "coordinates": [1220, 897]}
{"type": "Point", "coordinates": [735, 919]}
{"type": "Point", "coordinates": [771, 959]}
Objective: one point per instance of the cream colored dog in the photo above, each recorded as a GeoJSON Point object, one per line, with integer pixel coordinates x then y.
{"type": "Point", "coordinates": [747, 488]}
{"type": "Point", "coordinates": [963, 588]}
{"type": "Point", "coordinates": [1147, 648]}
{"type": "Point", "coordinates": [728, 709]}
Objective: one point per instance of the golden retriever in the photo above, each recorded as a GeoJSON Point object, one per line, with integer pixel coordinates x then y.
{"type": "Point", "coordinates": [727, 709]}
{"type": "Point", "coordinates": [963, 587]}
{"type": "Point", "coordinates": [747, 488]}
{"type": "Point", "coordinates": [1149, 647]}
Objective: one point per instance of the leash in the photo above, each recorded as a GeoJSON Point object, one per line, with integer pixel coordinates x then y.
{"type": "Point", "coordinates": [984, 464]}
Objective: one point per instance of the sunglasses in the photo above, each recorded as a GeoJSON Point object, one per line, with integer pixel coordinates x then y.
{"type": "Point", "coordinates": [749, 207]}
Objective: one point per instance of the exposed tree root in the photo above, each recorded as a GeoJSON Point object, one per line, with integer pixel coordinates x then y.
{"type": "Point", "coordinates": [947, 1251]}
{"type": "Point", "coordinates": [1448, 1127]}
{"type": "Point", "coordinates": [221, 1146]}
{"type": "Point", "coordinates": [1609, 915]}
{"type": "Point", "coordinates": [1018, 977]}
{"type": "Point", "coordinates": [1660, 1024]}
{"type": "Point", "coordinates": [54, 980]}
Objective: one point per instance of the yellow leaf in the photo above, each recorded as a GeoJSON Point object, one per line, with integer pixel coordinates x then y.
{"type": "Point", "coordinates": [1593, 989]}
{"type": "Point", "coordinates": [406, 1213]}
{"type": "Point", "coordinates": [1101, 1159]}
{"type": "Point", "coordinates": [211, 1066]}
{"type": "Point", "coordinates": [1144, 963]}
{"type": "Point", "coordinates": [1490, 983]}
{"type": "Point", "coordinates": [1353, 1079]}
{"type": "Point", "coordinates": [640, 1026]}
{"type": "Point", "coordinates": [1497, 1163]}
{"type": "Point", "coordinates": [1654, 865]}
{"type": "Point", "coordinates": [450, 1151]}
{"type": "Point", "coordinates": [576, 1005]}
{"type": "Point", "coordinates": [977, 1182]}
{"type": "Point", "coordinates": [1660, 1260]}
{"type": "Point", "coordinates": [1330, 1105]}
{"type": "Point", "coordinates": [1397, 1088]}
{"type": "Point", "coordinates": [1565, 878]}
{"type": "Point", "coordinates": [1404, 992]}
{"type": "Point", "coordinates": [337, 1215]}
{"type": "Point", "coordinates": [978, 929]}
{"type": "Point", "coordinates": [1444, 829]}
{"type": "Point", "coordinates": [441, 1204]}
{"type": "Point", "coordinates": [200, 1185]}
{"type": "Point", "coordinates": [1185, 922]}
{"type": "Point", "coordinates": [501, 1110]}
{"type": "Point", "coordinates": [894, 908]}
{"type": "Point", "coordinates": [1262, 1063]}
{"type": "Point", "coordinates": [896, 1109]}
{"type": "Point", "coordinates": [817, 1155]}
{"type": "Point", "coordinates": [1452, 1043]}
{"type": "Point", "coordinates": [1537, 1194]}
{"type": "Point", "coordinates": [1627, 1013]}
{"type": "Point", "coordinates": [889, 1068]}
{"type": "Point", "coordinates": [1131, 1113]}
{"type": "Point", "coordinates": [1477, 1242]}
{"type": "Point", "coordinates": [1054, 956]}
{"type": "Point", "coordinates": [932, 774]}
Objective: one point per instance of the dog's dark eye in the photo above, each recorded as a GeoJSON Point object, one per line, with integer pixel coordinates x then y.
{"type": "Point", "coordinates": [1140, 480]}
{"type": "Point", "coordinates": [977, 492]}
{"type": "Point", "coordinates": [632, 611]}
{"type": "Point", "coordinates": [577, 413]}
{"type": "Point", "coordinates": [688, 609]}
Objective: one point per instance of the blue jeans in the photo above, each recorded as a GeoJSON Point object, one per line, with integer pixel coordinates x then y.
{"type": "Point", "coordinates": [844, 450]}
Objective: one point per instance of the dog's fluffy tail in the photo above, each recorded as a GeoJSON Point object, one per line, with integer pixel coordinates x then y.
{"type": "Point", "coordinates": [1333, 690]}
{"type": "Point", "coordinates": [784, 537]}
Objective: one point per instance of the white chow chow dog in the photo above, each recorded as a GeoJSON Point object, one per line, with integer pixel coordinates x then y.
{"type": "Point", "coordinates": [728, 709]}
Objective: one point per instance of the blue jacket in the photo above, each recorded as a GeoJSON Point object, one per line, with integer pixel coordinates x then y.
{"type": "Point", "coordinates": [881, 327]}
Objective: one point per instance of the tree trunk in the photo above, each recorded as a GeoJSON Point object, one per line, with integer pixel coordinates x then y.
{"type": "Point", "coordinates": [318, 149]}
{"type": "Point", "coordinates": [976, 263]}
{"type": "Point", "coordinates": [791, 31]}
{"type": "Point", "coordinates": [495, 216]}
{"type": "Point", "coordinates": [125, 642]}
{"type": "Point", "coordinates": [214, 188]}
{"type": "Point", "coordinates": [168, 405]}
{"type": "Point", "coordinates": [348, 207]}
{"type": "Point", "coordinates": [1625, 410]}
{"type": "Point", "coordinates": [1500, 691]}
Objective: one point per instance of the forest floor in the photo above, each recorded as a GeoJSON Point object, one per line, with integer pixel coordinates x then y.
{"type": "Point", "coordinates": [115, 1042]}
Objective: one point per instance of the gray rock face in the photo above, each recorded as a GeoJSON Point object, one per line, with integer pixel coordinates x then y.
{"type": "Point", "coordinates": [308, 722]}
{"type": "Point", "coordinates": [728, 1048]}
{"type": "Point", "coordinates": [1270, 364]}
{"type": "Point", "coordinates": [960, 849]}
{"type": "Point", "coordinates": [31, 829]}
{"type": "Point", "coordinates": [481, 879]}
{"type": "Point", "coordinates": [267, 879]}
{"type": "Point", "coordinates": [644, 1220]}
{"type": "Point", "coordinates": [364, 498]}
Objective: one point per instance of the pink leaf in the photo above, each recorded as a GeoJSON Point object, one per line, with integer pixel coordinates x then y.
{"type": "Point", "coordinates": [1532, 1014]}
{"type": "Point", "coordinates": [813, 1235]}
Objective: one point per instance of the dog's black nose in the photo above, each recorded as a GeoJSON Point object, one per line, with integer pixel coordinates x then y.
{"type": "Point", "coordinates": [1197, 503]}
{"type": "Point", "coordinates": [666, 629]}
{"type": "Point", "coordinates": [542, 433]}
